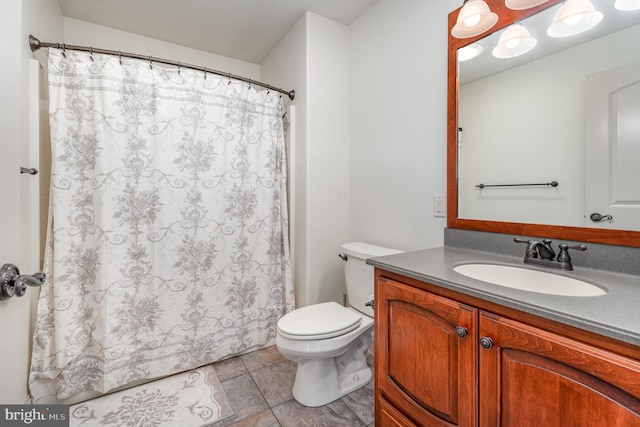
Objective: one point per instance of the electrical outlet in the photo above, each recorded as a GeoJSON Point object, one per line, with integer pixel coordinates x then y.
{"type": "Point", "coordinates": [439, 206]}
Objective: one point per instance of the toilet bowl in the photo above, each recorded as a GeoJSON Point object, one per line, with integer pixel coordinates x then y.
{"type": "Point", "coordinates": [330, 367]}
{"type": "Point", "coordinates": [328, 341]}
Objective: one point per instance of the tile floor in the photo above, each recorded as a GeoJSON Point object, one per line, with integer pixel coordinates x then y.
{"type": "Point", "coordinates": [258, 387]}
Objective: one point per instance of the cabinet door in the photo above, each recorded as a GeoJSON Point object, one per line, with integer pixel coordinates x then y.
{"type": "Point", "coordinates": [391, 417]}
{"type": "Point", "coordinates": [423, 367]}
{"type": "Point", "coordinates": [530, 377]}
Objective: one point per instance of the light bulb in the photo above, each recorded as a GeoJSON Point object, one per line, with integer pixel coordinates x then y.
{"type": "Point", "coordinates": [472, 21]}
{"type": "Point", "coordinates": [469, 52]}
{"type": "Point", "coordinates": [514, 41]}
{"type": "Point", "coordinates": [512, 44]}
{"type": "Point", "coordinates": [573, 20]}
{"type": "Point", "coordinates": [626, 5]}
{"type": "Point", "coordinates": [474, 18]}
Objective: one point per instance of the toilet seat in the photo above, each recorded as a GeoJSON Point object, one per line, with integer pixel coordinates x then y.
{"type": "Point", "coordinates": [318, 321]}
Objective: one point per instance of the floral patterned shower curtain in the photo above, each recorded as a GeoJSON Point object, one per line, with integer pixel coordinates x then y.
{"type": "Point", "coordinates": [167, 246]}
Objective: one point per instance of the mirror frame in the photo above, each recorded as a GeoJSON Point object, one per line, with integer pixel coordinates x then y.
{"type": "Point", "coordinates": [506, 17]}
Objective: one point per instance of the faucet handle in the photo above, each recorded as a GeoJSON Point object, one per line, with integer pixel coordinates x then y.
{"type": "Point", "coordinates": [519, 240]}
{"type": "Point", "coordinates": [531, 246]}
{"type": "Point", "coordinates": [564, 257]}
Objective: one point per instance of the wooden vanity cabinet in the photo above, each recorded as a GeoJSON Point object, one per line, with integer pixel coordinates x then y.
{"type": "Point", "coordinates": [499, 372]}
{"type": "Point", "coordinates": [425, 358]}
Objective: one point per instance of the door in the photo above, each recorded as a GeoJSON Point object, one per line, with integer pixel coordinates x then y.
{"type": "Point", "coordinates": [613, 148]}
{"type": "Point", "coordinates": [15, 230]}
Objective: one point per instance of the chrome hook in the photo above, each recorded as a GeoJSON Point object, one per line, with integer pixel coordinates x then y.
{"type": "Point", "coordinates": [91, 53]}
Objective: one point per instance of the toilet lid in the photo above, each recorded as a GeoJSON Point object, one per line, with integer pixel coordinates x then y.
{"type": "Point", "coordinates": [324, 320]}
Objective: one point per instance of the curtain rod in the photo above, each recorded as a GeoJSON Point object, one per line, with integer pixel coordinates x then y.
{"type": "Point", "coordinates": [36, 44]}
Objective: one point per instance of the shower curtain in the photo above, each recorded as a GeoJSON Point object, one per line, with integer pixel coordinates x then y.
{"type": "Point", "coordinates": [167, 246]}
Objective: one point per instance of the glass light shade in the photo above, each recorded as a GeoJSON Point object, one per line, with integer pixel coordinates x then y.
{"type": "Point", "coordinates": [469, 52]}
{"type": "Point", "coordinates": [474, 18]}
{"type": "Point", "coordinates": [514, 41]}
{"type": "Point", "coordinates": [627, 5]}
{"type": "Point", "coordinates": [575, 16]}
{"type": "Point", "coordinates": [523, 4]}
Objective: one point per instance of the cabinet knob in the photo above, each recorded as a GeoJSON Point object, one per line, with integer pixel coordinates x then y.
{"type": "Point", "coordinates": [461, 331]}
{"type": "Point", "coordinates": [486, 343]}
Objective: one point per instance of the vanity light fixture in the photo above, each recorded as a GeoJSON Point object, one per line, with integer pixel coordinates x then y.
{"type": "Point", "coordinates": [474, 18]}
{"type": "Point", "coordinates": [470, 51]}
{"type": "Point", "coordinates": [514, 41]}
{"type": "Point", "coordinates": [626, 5]}
{"type": "Point", "coordinates": [523, 4]}
{"type": "Point", "coordinates": [575, 16]}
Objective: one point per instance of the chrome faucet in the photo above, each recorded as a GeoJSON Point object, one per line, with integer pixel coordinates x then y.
{"type": "Point", "coordinates": [541, 253]}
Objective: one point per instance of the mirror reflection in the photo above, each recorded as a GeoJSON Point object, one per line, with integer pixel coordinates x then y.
{"type": "Point", "coordinates": [564, 110]}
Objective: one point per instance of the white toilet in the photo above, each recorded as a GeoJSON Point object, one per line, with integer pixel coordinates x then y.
{"type": "Point", "coordinates": [329, 342]}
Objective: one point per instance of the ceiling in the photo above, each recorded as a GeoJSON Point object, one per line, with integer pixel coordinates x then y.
{"type": "Point", "coordinates": [242, 29]}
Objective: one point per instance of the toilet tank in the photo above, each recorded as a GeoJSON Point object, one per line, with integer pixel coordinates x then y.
{"type": "Point", "coordinates": [359, 275]}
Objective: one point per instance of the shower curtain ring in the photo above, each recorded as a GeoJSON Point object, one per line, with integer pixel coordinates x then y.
{"type": "Point", "coordinates": [205, 73]}
{"type": "Point", "coordinates": [150, 65]}
{"type": "Point", "coordinates": [178, 67]}
{"type": "Point", "coordinates": [120, 57]}
{"type": "Point", "coordinates": [229, 82]}
{"type": "Point", "coordinates": [91, 53]}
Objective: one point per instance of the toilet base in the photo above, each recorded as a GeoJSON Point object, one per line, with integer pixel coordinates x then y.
{"type": "Point", "coordinates": [321, 381]}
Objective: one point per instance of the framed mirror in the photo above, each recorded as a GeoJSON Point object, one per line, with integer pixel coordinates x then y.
{"type": "Point", "coordinates": [525, 154]}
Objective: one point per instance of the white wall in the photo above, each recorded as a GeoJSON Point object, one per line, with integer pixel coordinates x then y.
{"type": "Point", "coordinates": [313, 60]}
{"type": "Point", "coordinates": [87, 34]}
{"type": "Point", "coordinates": [286, 67]}
{"type": "Point", "coordinates": [327, 156]}
{"type": "Point", "coordinates": [398, 106]}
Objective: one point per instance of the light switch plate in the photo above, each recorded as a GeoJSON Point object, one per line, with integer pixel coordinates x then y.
{"type": "Point", "coordinates": [439, 206]}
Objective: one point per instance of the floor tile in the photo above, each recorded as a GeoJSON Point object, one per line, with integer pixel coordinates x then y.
{"type": "Point", "coordinates": [244, 397]}
{"type": "Point", "coordinates": [334, 414]}
{"type": "Point", "coordinates": [229, 368]}
{"type": "Point", "coordinates": [261, 358]}
{"type": "Point", "coordinates": [275, 382]}
{"type": "Point", "coordinates": [361, 402]}
{"type": "Point", "coordinates": [263, 419]}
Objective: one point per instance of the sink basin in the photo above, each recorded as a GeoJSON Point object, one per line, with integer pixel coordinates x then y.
{"type": "Point", "coordinates": [529, 280]}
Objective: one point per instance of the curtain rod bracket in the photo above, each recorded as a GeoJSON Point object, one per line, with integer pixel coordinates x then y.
{"type": "Point", "coordinates": [34, 43]}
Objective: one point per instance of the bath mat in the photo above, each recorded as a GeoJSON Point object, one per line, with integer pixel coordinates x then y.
{"type": "Point", "coordinates": [190, 399]}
